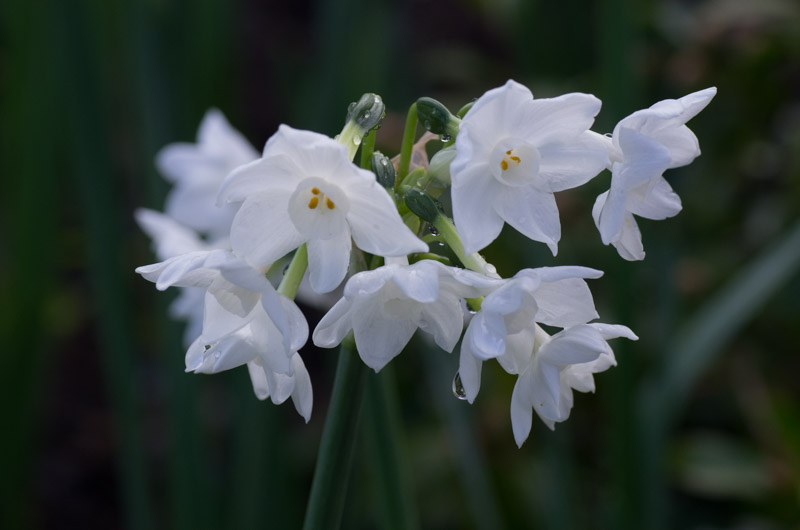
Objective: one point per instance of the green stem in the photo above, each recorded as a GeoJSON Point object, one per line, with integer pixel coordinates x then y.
{"type": "Point", "coordinates": [473, 261]}
{"type": "Point", "coordinates": [408, 143]}
{"type": "Point", "coordinates": [334, 461]}
{"type": "Point", "coordinates": [367, 148]}
{"type": "Point", "coordinates": [294, 274]}
{"type": "Point", "coordinates": [389, 468]}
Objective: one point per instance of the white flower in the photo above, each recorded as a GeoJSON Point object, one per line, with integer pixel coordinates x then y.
{"type": "Point", "coordinates": [505, 326]}
{"type": "Point", "coordinates": [170, 239]}
{"type": "Point", "coordinates": [229, 340]}
{"type": "Point", "coordinates": [385, 306]}
{"type": "Point", "coordinates": [246, 322]}
{"type": "Point", "coordinates": [197, 170]}
{"type": "Point", "coordinates": [551, 367]}
{"type": "Point", "coordinates": [305, 189]}
{"type": "Point", "coordinates": [642, 147]}
{"type": "Point", "coordinates": [512, 153]}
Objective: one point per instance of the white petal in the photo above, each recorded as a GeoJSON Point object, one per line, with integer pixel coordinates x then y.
{"type": "Point", "coordinates": [564, 303]}
{"type": "Point", "coordinates": [609, 214]}
{"type": "Point", "coordinates": [170, 238]}
{"type": "Point", "coordinates": [334, 326]}
{"type": "Point", "coordinates": [443, 320]}
{"type": "Point", "coordinates": [564, 117]}
{"type": "Point", "coordinates": [473, 193]}
{"type": "Point", "coordinates": [532, 212]}
{"type": "Point", "coordinates": [380, 339]}
{"type": "Point", "coordinates": [218, 137]}
{"type": "Point", "coordinates": [571, 163]}
{"type": "Point", "coordinates": [328, 260]}
{"type": "Point", "coordinates": [643, 159]}
{"type": "Point", "coordinates": [262, 230]}
{"type": "Point", "coordinates": [302, 396]}
{"type": "Point", "coordinates": [469, 369]}
{"type": "Point", "coordinates": [521, 415]}
{"type": "Point", "coordinates": [420, 281]}
{"type": "Point", "coordinates": [655, 201]}
{"type": "Point", "coordinates": [259, 379]}
{"type": "Point", "coordinates": [488, 337]}
{"type": "Point", "coordinates": [575, 345]}
{"type": "Point", "coordinates": [629, 241]}
{"type": "Point", "coordinates": [613, 331]}
{"type": "Point", "coordinates": [274, 173]}
{"type": "Point", "coordinates": [519, 350]}
{"type": "Point", "coordinates": [493, 116]}
{"type": "Point", "coordinates": [377, 227]}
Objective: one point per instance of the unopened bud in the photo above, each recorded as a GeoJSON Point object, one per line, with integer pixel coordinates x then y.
{"type": "Point", "coordinates": [436, 118]}
{"type": "Point", "coordinates": [367, 112]}
{"type": "Point", "coordinates": [439, 167]}
{"type": "Point", "coordinates": [422, 205]}
{"type": "Point", "coordinates": [383, 169]}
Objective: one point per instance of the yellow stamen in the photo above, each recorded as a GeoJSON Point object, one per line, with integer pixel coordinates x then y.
{"type": "Point", "coordinates": [508, 152]}
{"type": "Point", "coordinates": [515, 159]}
{"type": "Point", "coordinates": [329, 203]}
{"type": "Point", "coordinates": [315, 191]}
{"type": "Point", "coordinates": [504, 164]}
{"type": "Point", "coordinates": [314, 202]}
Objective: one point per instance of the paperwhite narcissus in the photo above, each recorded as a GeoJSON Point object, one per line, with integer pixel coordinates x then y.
{"type": "Point", "coordinates": [198, 169]}
{"type": "Point", "coordinates": [550, 368]}
{"type": "Point", "coordinates": [512, 153]}
{"type": "Point", "coordinates": [506, 324]}
{"type": "Point", "coordinates": [385, 306]}
{"type": "Point", "coordinates": [305, 189]}
{"type": "Point", "coordinates": [642, 147]}
{"type": "Point", "coordinates": [246, 322]}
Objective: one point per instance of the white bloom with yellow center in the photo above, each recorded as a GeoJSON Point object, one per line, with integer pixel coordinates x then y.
{"type": "Point", "coordinates": [512, 153]}
{"type": "Point", "coordinates": [305, 189]}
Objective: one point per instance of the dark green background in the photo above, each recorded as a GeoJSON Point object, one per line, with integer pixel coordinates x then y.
{"type": "Point", "coordinates": [698, 426]}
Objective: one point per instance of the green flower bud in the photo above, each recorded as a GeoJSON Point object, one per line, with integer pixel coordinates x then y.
{"type": "Point", "coordinates": [383, 169]}
{"type": "Point", "coordinates": [436, 118]}
{"type": "Point", "coordinates": [367, 112]}
{"type": "Point", "coordinates": [422, 205]}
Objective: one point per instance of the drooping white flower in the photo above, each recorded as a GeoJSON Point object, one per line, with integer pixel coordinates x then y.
{"type": "Point", "coordinates": [512, 153]}
{"type": "Point", "coordinates": [506, 324]}
{"type": "Point", "coordinates": [246, 322]}
{"type": "Point", "coordinates": [642, 147]}
{"type": "Point", "coordinates": [197, 171]}
{"type": "Point", "coordinates": [170, 239]}
{"type": "Point", "coordinates": [551, 367]}
{"type": "Point", "coordinates": [385, 306]}
{"type": "Point", "coordinates": [305, 189]}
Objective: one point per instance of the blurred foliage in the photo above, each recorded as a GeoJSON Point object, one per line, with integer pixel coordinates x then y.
{"type": "Point", "coordinates": [104, 430]}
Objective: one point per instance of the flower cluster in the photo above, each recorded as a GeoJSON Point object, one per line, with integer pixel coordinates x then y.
{"type": "Point", "coordinates": [234, 220]}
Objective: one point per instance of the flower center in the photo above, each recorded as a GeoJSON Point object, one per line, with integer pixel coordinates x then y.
{"type": "Point", "coordinates": [515, 162]}
{"type": "Point", "coordinates": [318, 209]}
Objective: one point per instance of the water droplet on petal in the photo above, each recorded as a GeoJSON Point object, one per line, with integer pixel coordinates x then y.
{"type": "Point", "coordinates": [458, 388]}
{"type": "Point", "coordinates": [357, 140]}
{"type": "Point", "coordinates": [206, 347]}
{"type": "Point", "coordinates": [217, 354]}
{"type": "Point", "coordinates": [446, 138]}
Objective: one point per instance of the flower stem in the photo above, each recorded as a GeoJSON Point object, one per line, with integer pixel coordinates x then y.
{"type": "Point", "coordinates": [294, 274]}
{"type": "Point", "coordinates": [334, 461]}
{"type": "Point", "coordinates": [367, 148]}
{"type": "Point", "coordinates": [473, 261]}
{"type": "Point", "coordinates": [408, 143]}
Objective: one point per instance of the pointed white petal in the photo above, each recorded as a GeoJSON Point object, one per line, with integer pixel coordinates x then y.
{"type": "Point", "coordinates": [443, 320]}
{"type": "Point", "coordinates": [328, 260]}
{"type": "Point", "coordinates": [488, 337]}
{"type": "Point", "coordinates": [259, 379]}
{"type": "Point", "coordinates": [469, 369]}
{"type": "Point", "coordinates": [380, 339]}
{"type": "Point", "coordinates": [531, 212]}
{"type": "Point", "coordinates": [334, 326]}
{"type": "Point", "coordinates": [262, 231]}
{"type": "Point", "coordinates": [564, 117]}
{"type": "Point", "coordinates": [521, 415]}
{"type": "Point", "coordinates": [302, 396]}
{"type": "Point", "coordinates": [571, 163]}
{"type": "Point", "coordinates": [655, 201]}
{"type": "Point", "coordinates": [473, 193]}
{"type": "Point", "coordinates": [575, 345]}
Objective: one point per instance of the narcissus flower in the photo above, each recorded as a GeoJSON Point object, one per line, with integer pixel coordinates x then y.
{"type": "Point", "coordinates": [197, 170]}
{"type": "Point", "coordinates": [506, 324]}
{"type": "Point", "coordinates": [305, 189]}
{"type": "Point", "coordinates": [642, 147]}
{"type": "Point", "coordinates": [512, 153]}
{"type": "Point", "coordinates": [385, 306]}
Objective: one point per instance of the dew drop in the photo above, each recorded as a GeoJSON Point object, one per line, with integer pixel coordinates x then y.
{"type": "Point", "coordinates": [446, 138]}
{"type": "Point", "coordinates": [367, 114]}
{"type": "Point", "coordinates": [433, 230]}
{"type": "Point", "coordinates": [426, 124]}
{"type": "Point", "coordinates": [217, 354]}
{"type": "Point", "coordinates": [207, 347]}
{"type": "Point", "coordinates": [458, 388]}
{"type": "Point", "coordinates": [357, 140]}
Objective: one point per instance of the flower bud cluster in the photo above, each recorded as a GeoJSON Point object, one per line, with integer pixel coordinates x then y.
{"type": "Point", "coordinates": [234, 219]}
